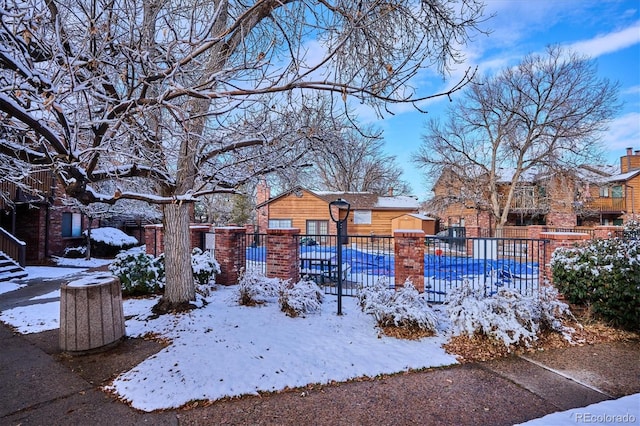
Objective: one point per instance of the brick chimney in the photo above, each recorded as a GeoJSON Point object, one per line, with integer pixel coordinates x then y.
{"type": "Point", "coordinates": [263, 193]}
{"type": "Point", "coordinates": [631, 161]}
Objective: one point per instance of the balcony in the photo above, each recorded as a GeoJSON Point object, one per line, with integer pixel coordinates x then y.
{"type": "Point", "coordinates": [36, 184]}
{"type": "Point", "coordinates": [528, 202]}
{"type": "Point", "coordinates": [607, 205]}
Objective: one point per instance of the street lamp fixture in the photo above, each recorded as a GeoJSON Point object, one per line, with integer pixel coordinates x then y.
{"type": "Point", "coordinates": [339, 205]}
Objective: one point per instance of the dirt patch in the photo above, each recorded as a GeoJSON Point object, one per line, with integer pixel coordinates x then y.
{"type": "Point", "coordinates": [481, 348]}
{"type": "Point", "coordinates": [99, 368]}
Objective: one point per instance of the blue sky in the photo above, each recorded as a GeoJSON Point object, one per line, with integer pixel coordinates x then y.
{"type": "Point", "coordinates": [606, 30]}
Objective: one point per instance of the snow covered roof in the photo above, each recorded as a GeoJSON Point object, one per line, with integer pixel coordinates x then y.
{"type": "Point", "coordinates": [360, 200]}
{"type": "Point", "coordinates": [421, 216]}
{"type": "Point", "coordinates": [622, 177]}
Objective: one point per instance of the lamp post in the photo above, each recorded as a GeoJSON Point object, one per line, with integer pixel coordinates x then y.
{"type": "Point", "coordinates": [339, 204]}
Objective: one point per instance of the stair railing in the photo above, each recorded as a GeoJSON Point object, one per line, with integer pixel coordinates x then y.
{"type": "Point", "coordinates": [13, 247]}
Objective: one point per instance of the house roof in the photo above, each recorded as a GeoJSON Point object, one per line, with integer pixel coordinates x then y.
{"type": "Point", "coordinates": [419, 216]}
{"type": "Point", "coordinates": [623, 177]}
{"type": "Point", "coordinates": [359, 200]}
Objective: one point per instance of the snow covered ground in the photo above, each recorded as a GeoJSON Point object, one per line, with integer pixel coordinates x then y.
{"type": "Point", "coordinates": [625, 410]}
{"type": "Point", "coordinates": [224, 349]}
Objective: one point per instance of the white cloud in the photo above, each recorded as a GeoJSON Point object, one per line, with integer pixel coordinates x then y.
{"type": "Point", "coordinates": [609, 43]}
{"type": "Point", "coordinates": [623, 132]}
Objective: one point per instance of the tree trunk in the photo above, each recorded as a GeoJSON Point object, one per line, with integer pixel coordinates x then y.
{"type": "Point", "coordinates": [179, 289]}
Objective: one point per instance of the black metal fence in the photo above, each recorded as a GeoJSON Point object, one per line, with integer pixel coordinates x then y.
{"type": "Point", "coordinates": [488, 264]}
{"type": "Point", "coordinates": [255, 252]}
{"type": "Point", "coordinates": [365, 260]}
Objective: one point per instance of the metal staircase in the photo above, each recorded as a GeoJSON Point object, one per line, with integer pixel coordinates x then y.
{"type": "Point", "coordinates": [10, 269]}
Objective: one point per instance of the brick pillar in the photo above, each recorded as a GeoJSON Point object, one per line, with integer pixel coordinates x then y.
{"type": "Point", "coordinates": [606, 232]}
{"type": "Point", "coordinates": [409, 258]}
{"type": "Point", "coordinates": [197, 232]}
{"type": "Point", "coordinates": [283, 254]}
{"type": "Point", "coordinates": [556, 240]}
{"type": "Point", "coordinates": [154, 239]}
{"type": "Point", "coordinates": [230, 253]}
{"type": "Point", "coordinates": [471, 232]}
{"type": "Point", "coordinates": [534, 231]}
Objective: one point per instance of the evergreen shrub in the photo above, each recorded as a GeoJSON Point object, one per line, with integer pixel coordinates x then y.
{"type": "Point", "coordinates": [603, 275]}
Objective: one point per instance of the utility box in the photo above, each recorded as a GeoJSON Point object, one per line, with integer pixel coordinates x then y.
{"type": "Point", "coordinates": [485, 248]}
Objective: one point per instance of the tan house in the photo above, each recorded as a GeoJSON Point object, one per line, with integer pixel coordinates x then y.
{"type": "Point", "coordinates": [614, 199]}
{"type": "Point", "coordinates": [589, 196]}
{"type": "Point", "coordinates": [369, 215]}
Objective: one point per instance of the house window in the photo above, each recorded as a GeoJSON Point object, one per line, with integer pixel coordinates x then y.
{"type": "Point", "coordinates": [280, 223]}
{"type": "Point", "coordinates": [71, 225]}
{"type": "Point", "coordinates": [604, 191]}
{"type": "Point", "coordinates": [317, 227]}
{"type": "Point", "coordinates": [362, 217]}
{"type": "Point", "coordinates": [616, 191]}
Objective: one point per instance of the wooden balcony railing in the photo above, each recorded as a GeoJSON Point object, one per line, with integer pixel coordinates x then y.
{"type": "Point", "coordinates": [607, 204]}
{"type": "Point", "coordinates": [39, 183]}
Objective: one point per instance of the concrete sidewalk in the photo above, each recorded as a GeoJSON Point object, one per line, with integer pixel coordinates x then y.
{"type": "Point", "coordinates": [41, 386]}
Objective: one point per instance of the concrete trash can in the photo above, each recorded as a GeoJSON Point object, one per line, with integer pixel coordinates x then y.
{"type": "Point", "coordinates": [91, 314]}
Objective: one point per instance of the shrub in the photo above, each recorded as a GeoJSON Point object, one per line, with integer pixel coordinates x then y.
{"type": "Point", "coordinates": [254, 288]}
{"type": "Point", "coordinates": [140, 273]}
{"type": "Point", "coordinates": [300, 298]}
{"type": "Point", "coordinates": [404, 308]}
{"type": "Point", "coordinates": [108, 242]}
{"type": "Point", "coordinates": [604, 275]}
{"type": "Point", "coordinates": [204, 266]}
{"type": "Point", "coordinates": [506, 316]}
{"type": "Point", "coordinates": [75, 252]}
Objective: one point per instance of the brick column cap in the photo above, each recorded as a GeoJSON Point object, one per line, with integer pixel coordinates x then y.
{"type": "Point", "coordinates": [200, 226]}
{"type": "Point", "coordinates": [228, 229]}
{"type": "Point", "coordinates": [408, 233]}
{"type": "Point", "coordinates": [283, 231]}
{"type": "Point", "coordinates": [564, 236]}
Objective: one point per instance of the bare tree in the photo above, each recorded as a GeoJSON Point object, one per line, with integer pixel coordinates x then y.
{"type": "Point", "coordinates": [202, 96]}
{"type": "Point", "coordinates": [544, 115]}
{"type": "Point", "coordinates": [356, 162]}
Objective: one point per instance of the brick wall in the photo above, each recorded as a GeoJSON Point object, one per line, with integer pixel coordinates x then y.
{"type": "Point", "coordinates": [409, 258]}
{"type": "Point", "coordinates": [154, 237]}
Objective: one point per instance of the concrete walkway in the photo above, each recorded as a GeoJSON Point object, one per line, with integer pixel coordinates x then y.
{"type": "Point", "coordinates": [40, 386]}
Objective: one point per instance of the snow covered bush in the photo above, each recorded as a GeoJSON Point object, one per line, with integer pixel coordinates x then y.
{"type": "Point", "coordinates": [204, 266]}
{"type": "Point", "coordinates": [254, 288]}
{"type": "Point", "coordinates": [300, 298]}
{"type": "Point", "coordinates": [139, 273]}
{"type": "Point", "coordinates": [506, 316]}
{"type": "Point", "coordinates": [108, 242]}
{"type": "Point", "coordinates": [404, 308]}
{"type": "Point", "coordinates": [604, 275]}
{"type": "Point", "coordinates": [75, 252]}
{"type": "Point", "coordinates": [142, 273]}
{"type": "Point", "coordinates": [632, 230]}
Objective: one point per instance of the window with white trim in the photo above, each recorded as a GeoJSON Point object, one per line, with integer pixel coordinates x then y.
{"type": "Point", "coordinates": [280, 223]}
{"type": "Point", "coordinates": [317, 227]}
{"type": "Point", "coordinates": [71, 225]}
